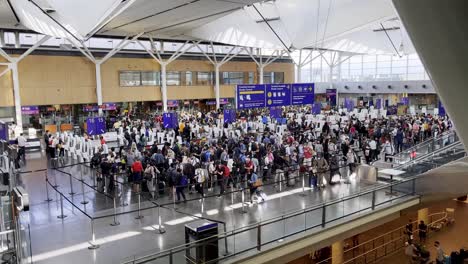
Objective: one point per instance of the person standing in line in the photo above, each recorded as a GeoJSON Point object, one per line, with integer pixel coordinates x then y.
{"type": "Point", "coordinates": [422, 232]}
{"type": "Point", "coordinates": [440, 257]}
{"type": "Point", "coordinates": [181, 183]}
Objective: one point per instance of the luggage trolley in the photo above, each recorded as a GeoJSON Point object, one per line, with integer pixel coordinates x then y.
{"type": "Point", "coordinates": [206, 250]}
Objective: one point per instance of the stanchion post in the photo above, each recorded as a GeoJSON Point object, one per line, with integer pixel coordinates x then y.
{"type": "Point", "coordinates": [61, 216]}
{"type": "Point", "coordinates": [94, 178]}
{"type": "Point", "coordinates": [303, 184]}
{"type": "Point", "coordinates": [115, 223]}
{"type": "Point", "coordinates": [83, 193]}
{"type": "Point", "coordinates": [55, 179]}
{"type": "Point", "coordinates": [173, 197]}
{"type": "Point", "coordinates": [71, 186]}
{"type": "Point", "coordinates": [243, 201]}
{"type": "Point", "coordinates": [47, 188]}
{"type": "Point", "coordinates": [139, 207]}
{"type": "Point", "coordinates": [161, 229]}
{"type": "Point", "coordinates": [93, 244]}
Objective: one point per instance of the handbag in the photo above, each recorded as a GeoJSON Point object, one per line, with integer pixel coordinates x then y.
{"type": "Point", "coordinates": [258, 183]}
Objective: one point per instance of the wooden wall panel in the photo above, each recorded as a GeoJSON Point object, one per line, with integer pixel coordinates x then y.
{"type": "Point", "coordinates": [6, 89]}
{"type": "Point", "coordinates": [56, 79]}
{"type": "Point", "coordinates": [71, 80]}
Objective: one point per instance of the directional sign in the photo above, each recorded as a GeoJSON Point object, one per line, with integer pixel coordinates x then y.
{"type": "Point", "coordinates": [278, 95]}
{"type": "Point", "coordinates": [302, 93]}
{"type": "Point", "coordinates": [250, 96]}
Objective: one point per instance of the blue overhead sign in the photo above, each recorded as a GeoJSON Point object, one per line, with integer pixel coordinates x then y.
{"type": "Point", "coordinates": [302, 93]}
{"type": "Point", "coordinates": [273, 95]}
{"type": "Point", "coordinates": [229, 116]}
{"type": "Point", "coordinates": [278, 94]}
{"type": "Point", "coordinates": [250, 96]}
{"type": "Point", "coordinates": [170, 120]}
{"type": "Point", "coordinates": [95, 126]}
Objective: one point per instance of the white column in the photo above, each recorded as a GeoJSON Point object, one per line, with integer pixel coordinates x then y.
{"type": "Point", "coordinates": [298, 69]}
{"type": "Point", "coordinates": [99, 86]}
{"type": "Point", "coordinates": [164, 86]}
{"type": "Point", "coordinates": [260, 74]}
{"type": "Point", "coordinates": [331, 76]}
{"type": "Point", "coordinates": [216, 88]}
{"type": "Point", "coordinates": [16, 93]}
{"type": "Point", "coordinates": [17, 40]}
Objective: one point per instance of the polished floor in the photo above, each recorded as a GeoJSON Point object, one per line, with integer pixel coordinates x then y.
{"type": "Point", "coordinates": [55, 240]}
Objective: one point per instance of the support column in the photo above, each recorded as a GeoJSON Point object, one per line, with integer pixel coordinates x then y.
{"type": "Point", "coordinates": [299, 74]}
{"type": "Point", "coordinates": [17, 40]}
{"type": "Point", "coordinates": [99, 86]}
{"type": "Point", "coordinates": [260, 74]}
{"type": "Point", "coordinates": [338, 252]}
{"type": "Point", "coordinates": [2, 39]}
{"type": "Point", "coordinates": [423, 215]}
{"type": "Point", "coordinates": [216, 87]}
{"type": "Point", "coordinates": [17, 95]}
{"type": "Point", "coordinates": [164, 86]}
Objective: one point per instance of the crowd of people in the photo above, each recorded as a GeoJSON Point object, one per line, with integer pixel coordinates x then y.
{"type": "Point", "coordinates": [251, 158]}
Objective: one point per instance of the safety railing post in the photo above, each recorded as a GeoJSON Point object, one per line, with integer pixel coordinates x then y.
{"type": "Point", "coordinates": [47, 188]}
{"type": "Point", "coordinates": [115, 223]}
{"type": "Point", "coordinates": [61, 216]}
{"type": "Point", "coordinates": [55, 185]}
{"type": "Point", "coordinates": [373, 200]}
{"type": "Point", "coordinates": [161, 229]}
{"type": "Point", "coordinates": [139, 207]}
{"type": "Point", "coordinates": [173, 196]}
{"type": "Point", "coordinates": [226, 252]}
{"type": "Point", "coordinates": [259, 237]}
{"type": "Point", "coordinates": [280, 184]}
{"type": "Point", "coordinates": [71, 186]}
{"type": "Point", "coordinates": [93, 244]}
{"type": "Point", "coordinates": [324, 216]}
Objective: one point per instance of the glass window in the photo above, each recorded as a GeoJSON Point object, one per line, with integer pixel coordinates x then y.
{"type": "Point", "coordinates": [233, 77]}
{"type": "Point", "coordinates": [267, 77]}
{"type": "Point", "coordinates": [188, 78]}
{"type": "Point", "coordinates": [251, 78]}
{"type": "Point", "coordinates": [173, 78]}
{"type": "Point", "coordinates": [278, 77]}
{"type": "Point", "coordinates": [130, 78]}
{"type": "Point", "coordinates": [204, 78]}
{"type": "Point", "coordinates": [150, 78]}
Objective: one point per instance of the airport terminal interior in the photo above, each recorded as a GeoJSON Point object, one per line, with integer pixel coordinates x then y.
{"type": "Point", "coordinates": [233, 131]}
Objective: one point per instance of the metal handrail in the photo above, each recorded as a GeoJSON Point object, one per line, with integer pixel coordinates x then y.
{"type": "Point", "coordinates": [258, 225]}
{"type": "Point", "coordinates": [382, 236]}
{"type": "Point", "coordinates": [455, 144]}
{"type": "Point", "coordinates": [396, 239]}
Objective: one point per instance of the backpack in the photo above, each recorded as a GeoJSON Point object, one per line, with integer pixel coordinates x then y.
{"type": "Point", "coordinates": [183, 181]}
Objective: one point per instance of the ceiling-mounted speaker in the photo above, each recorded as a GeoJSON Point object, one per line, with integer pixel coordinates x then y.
{"type": "Point", "coordinates": [406, 86]}
{"type": "Point", "coordinates": [389, 87]}
{"type": "Point", "coordinates": [346, 87]}
{"type": "Point", "coordinates": [374, 87]}
{"type": "Point", "coordinates": [360, 87]}
{"type": "Point", "coordinates": [423, 86]}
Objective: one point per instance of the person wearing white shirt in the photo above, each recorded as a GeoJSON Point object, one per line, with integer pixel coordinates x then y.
{"type": "Point", "coordinates": [373, 149]}
{"type": "Point", "coordinates": [22, 147]}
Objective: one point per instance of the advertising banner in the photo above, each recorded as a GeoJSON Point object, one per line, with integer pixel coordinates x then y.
{"type": "Point", "coordinates": [349, 104]}
{"type": "Point", "coordinates": [278, 95]}
{"type": "Point", "coordinates": [316, 108]}
{"type": "Point", "coordinates": [331, 97]}
{"type": "Point", "coordinates": [90, 108]}
{"type": "Point", "coordinates": [30, 110]}
{"type": "Point", "coordinates": [109, 106]}
{"type": "Point", "coordinates": [405, 100]}
{"type": "Point", "coordinates": [172, 103]}
{"type": "Point", "coordinates": [229, 116]}
{"type": "Point", "coordinates": [302, 93]}
{"type": "Point", "coordinates": [250, 96]}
